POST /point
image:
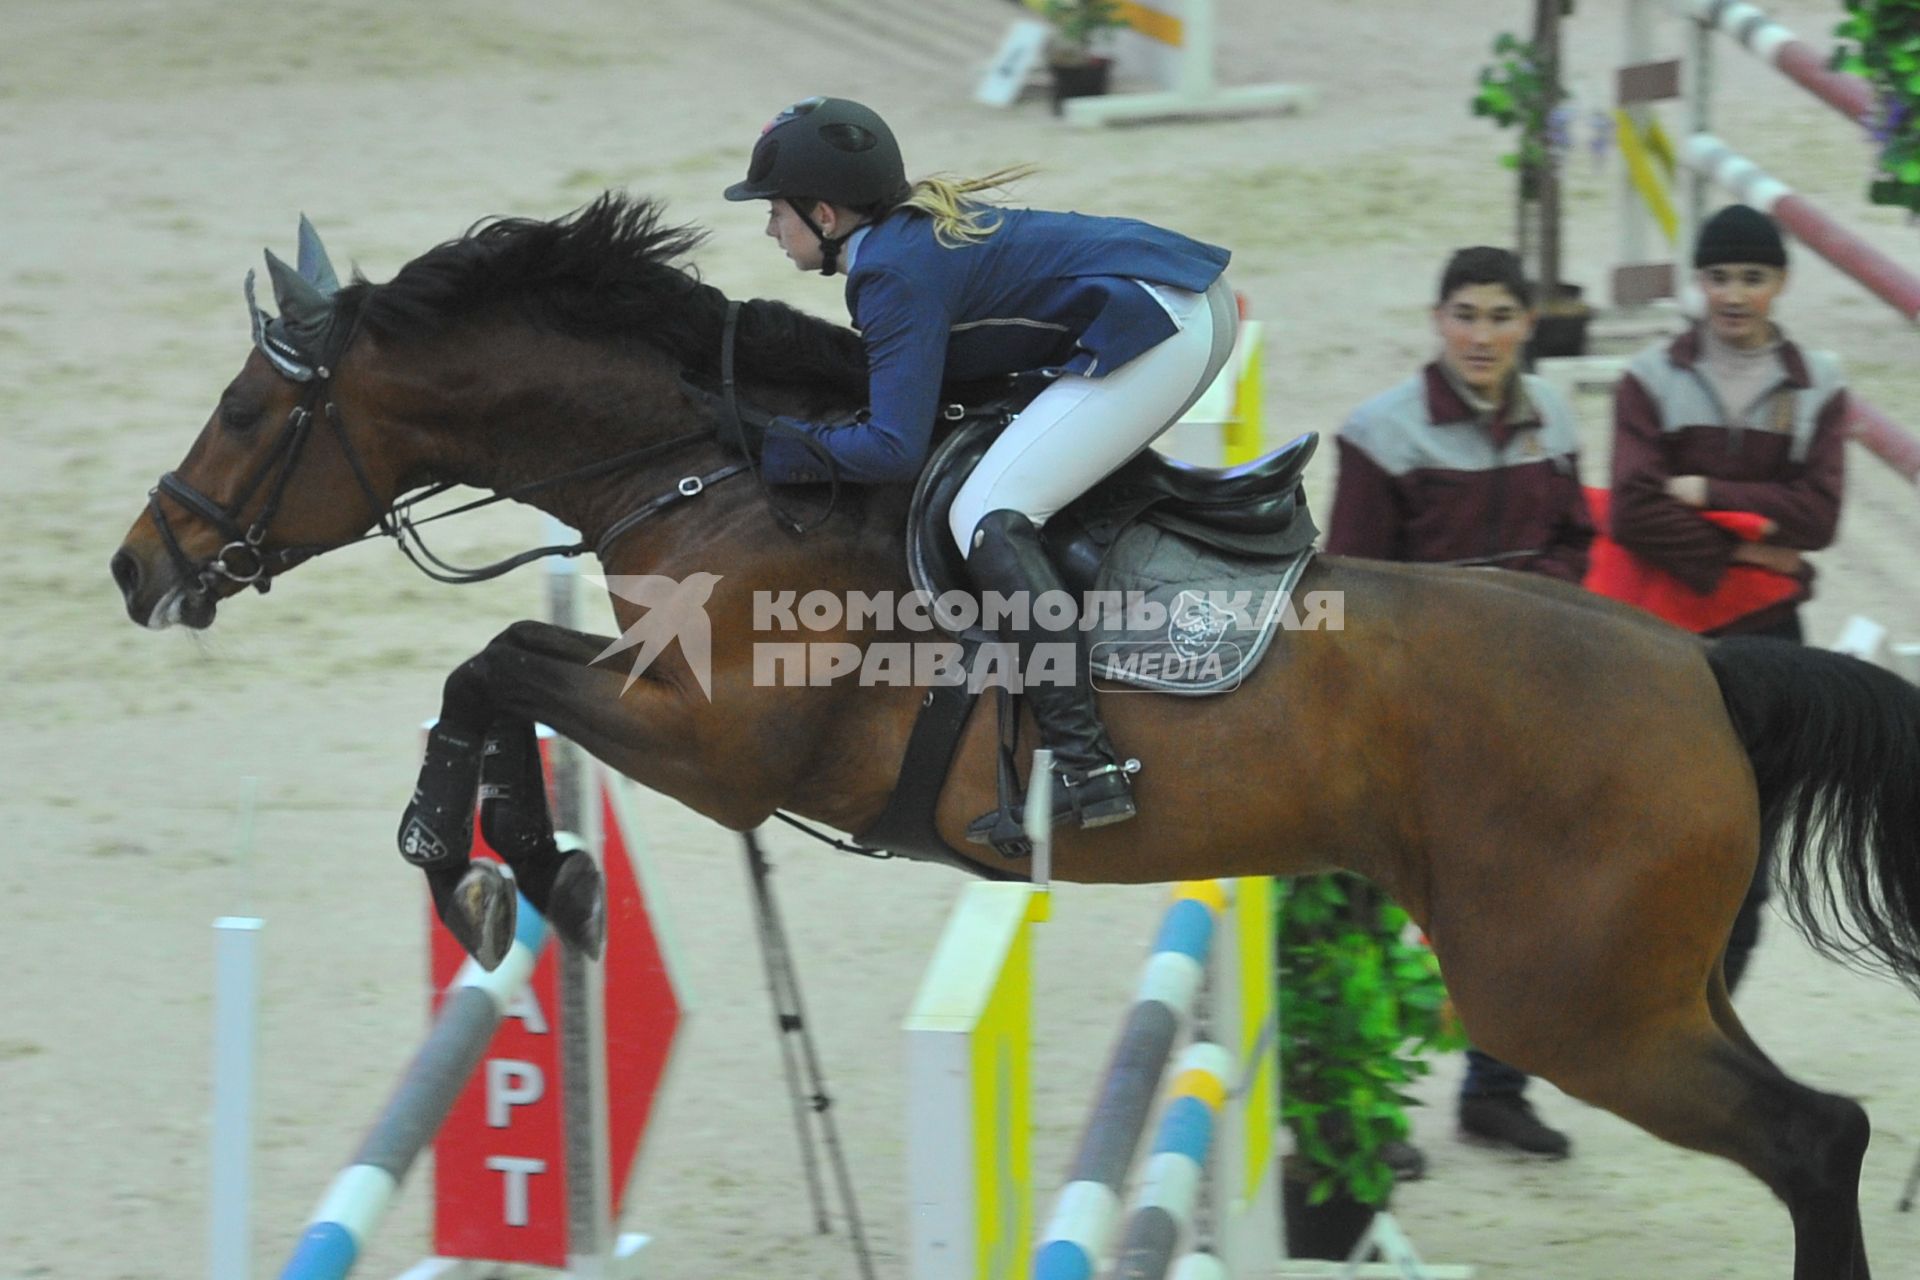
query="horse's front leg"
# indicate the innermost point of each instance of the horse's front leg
(484, 743)
(472, 899)
(515, 818)
(534, 671)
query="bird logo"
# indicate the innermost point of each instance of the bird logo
(675, 610)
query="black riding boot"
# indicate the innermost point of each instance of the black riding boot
(1089, 782)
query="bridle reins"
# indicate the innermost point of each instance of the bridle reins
(245, 560)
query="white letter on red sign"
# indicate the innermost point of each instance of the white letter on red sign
(518, 1169)
(511, 1084)
(526, 1007)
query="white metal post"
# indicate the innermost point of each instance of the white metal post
(236, 1003)
(1636, 222)
(583, 1065)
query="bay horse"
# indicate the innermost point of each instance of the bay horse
(1568, 797)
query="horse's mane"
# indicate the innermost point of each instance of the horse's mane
(609, 270)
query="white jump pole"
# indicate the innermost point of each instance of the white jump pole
(1179, 38)
(1039, 819)
(236, 1008)
(236, 1003)
(1906, 660)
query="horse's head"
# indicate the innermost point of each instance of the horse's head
(540, 360)
(275, 475)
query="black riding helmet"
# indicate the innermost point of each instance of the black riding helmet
(827, 149)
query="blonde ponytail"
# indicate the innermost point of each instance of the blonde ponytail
(958, 217)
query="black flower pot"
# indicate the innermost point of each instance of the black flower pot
(1561, 329)
(1087, 79)
(1329, 1230)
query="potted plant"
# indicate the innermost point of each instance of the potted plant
(1522, 90)
(1360, 1000)
(1078, 71)
(1886, 53)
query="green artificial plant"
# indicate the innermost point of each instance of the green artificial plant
(1523, 90)
(1520, 90)
(1360, 1001)
(1075, 25)
(1886, 52)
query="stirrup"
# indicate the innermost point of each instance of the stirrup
(1098, 797)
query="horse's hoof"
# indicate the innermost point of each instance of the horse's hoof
(577, 904)
(481, 914)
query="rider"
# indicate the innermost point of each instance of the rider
(1134, 321)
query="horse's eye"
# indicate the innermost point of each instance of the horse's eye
(239, 417)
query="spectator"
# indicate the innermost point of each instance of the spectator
(1728, 458)
(1471, 462)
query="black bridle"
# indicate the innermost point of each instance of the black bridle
(245, 560)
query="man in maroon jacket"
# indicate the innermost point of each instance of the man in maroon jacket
(1471, 462)
(1468, 462)
(1731, 416)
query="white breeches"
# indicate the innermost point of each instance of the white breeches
(1080, 430)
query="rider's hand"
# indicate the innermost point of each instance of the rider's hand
(1779, 559)
(1691, 490)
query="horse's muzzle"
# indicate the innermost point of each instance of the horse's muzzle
(153, 599)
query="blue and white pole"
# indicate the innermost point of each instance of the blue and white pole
(1088, 1206)
(1162, 1216)
(360, 1194)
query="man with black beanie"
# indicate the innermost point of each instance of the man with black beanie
(1728, 461)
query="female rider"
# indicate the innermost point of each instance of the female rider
(1134, 320)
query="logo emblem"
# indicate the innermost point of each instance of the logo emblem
(674, 611)
(1196, 626)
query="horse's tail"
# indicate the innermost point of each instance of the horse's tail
(1835, 745)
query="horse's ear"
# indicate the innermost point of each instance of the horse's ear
(315, 268)
(304, 310)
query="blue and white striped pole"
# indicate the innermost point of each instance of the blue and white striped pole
(360, 1194)
(1087, 1207)
(1162, 1214)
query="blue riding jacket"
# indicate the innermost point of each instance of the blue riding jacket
(1046, 290)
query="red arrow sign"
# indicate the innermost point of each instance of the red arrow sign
(642, 1000)
(500, 1170)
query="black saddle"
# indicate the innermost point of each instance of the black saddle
(1236, 509)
